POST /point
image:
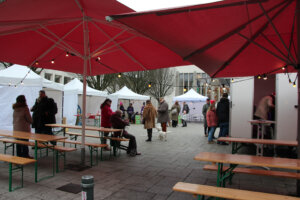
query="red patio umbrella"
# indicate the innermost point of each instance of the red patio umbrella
(231, 38)
(73, 36)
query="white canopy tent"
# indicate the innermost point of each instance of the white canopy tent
(16, 80)
(73, 99)
(195, 101)
(127, 94)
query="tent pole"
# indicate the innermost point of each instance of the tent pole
(298, 68)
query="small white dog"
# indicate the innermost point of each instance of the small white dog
(162, 135)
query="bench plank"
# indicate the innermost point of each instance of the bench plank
(227, 193)
(16, 160)
(86, 135)
(87, 143)
(11, 140)
(259, 141)
(116, 138)
(243, 170)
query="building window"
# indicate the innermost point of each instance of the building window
(48, 76)
(67, 79)
(57, 79)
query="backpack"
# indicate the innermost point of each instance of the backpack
(52, 105)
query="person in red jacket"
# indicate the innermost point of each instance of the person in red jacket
(106, 114)
(212, 121)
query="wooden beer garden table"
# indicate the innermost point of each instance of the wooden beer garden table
(234, 160)
(38, 138)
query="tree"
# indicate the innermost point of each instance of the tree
(101, 82)
(161, 82)
(136, 81)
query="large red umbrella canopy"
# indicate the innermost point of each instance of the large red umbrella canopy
(34, 33)
(226, 39)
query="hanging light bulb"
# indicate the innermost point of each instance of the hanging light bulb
(98, 58)
(265, 77)
(36, 63)
(232, 80)
(149, 85)
(294, 84)
(184, 89)
(67, 54)
(52, 61)
(283, 68)
(119, 75)
(259, 77)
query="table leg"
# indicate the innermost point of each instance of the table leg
(36, 163)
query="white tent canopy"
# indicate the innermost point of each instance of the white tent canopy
(77, 85)
(125, 93)
(191, 95)
(73, 99)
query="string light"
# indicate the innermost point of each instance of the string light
(149, 85)
(232, 80)
(36, 63)
(283, 68)
(265, 77)
(52, 61)
(259, 77)
(98, 58)
(184, 89)
(294, 84)
(67, 54)
(119, 75)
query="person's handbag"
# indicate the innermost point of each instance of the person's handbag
(174, 111)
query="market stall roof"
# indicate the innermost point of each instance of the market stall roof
(126, 93)
(190, 95)
(77, 85)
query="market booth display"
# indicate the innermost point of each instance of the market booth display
(195, 101)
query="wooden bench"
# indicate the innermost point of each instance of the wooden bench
(227, 193)
(60, 151)
(116, 143)
(79, 134)
(244, 170)
(19, 162)
(93, 147)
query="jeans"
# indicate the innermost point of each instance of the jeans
(224, 129)
(211, 133)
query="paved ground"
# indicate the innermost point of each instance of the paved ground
(149, 176)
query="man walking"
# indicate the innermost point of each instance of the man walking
(187, 110)
(204, 111)
(223, 116)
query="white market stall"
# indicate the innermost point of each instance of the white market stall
(16, 80)
(126, 94)
(73, 100)
(195, 101)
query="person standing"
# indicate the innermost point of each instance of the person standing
(44, 111)
(163, 115)
(21, 122)
(223, 117)
(204, 111)
(175, 110)
(265, 105)
(122, 109)
(187, 110)
(212, 121)
(106, 114)
(149, 115)
(130, 111)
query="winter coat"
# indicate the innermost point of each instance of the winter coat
(174, 117)
(149, 115)
(42, 113)
(223, 110)
(118, 123)
(106, 114)
(263, 107)
(211, 118)
(21, 117)
(130, 110)
(163, 115)
(186, 108)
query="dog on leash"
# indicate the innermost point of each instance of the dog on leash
(161, 134)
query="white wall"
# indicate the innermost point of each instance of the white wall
(286, 113)
(242, 94)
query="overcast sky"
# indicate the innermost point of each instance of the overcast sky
(144, 5)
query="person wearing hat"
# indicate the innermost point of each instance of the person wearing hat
(204, 111)
(223, 117)
(212, 121)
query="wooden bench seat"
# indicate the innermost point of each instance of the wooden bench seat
(15, 141)
(79, 134)
(244, 170)
(227, 193)
(19, 162)
(116, 139)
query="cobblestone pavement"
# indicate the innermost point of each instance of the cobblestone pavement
(148, 176)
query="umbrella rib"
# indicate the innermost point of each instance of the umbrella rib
(95, 53)
(291, 45)
(228, 34)
(276, 31)
(266, 38)
(38, 22)
(108, 67)
(67, 45)
(55, 44)
(248, 42)
(59, 45)
(121, 48)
